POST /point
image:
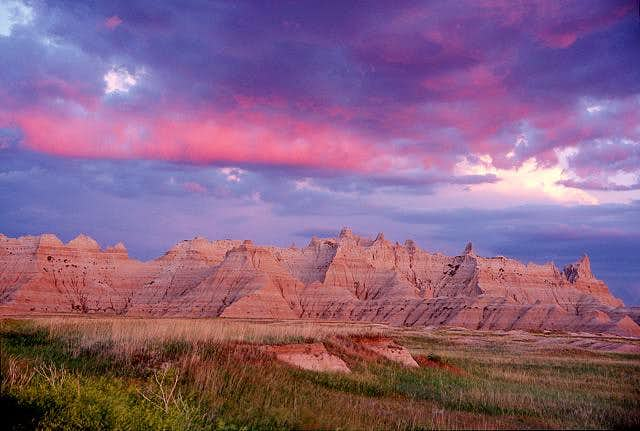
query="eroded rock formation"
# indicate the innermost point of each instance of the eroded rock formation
(346, 278)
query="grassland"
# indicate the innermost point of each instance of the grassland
(72, 373)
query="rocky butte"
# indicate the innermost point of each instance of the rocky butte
(348, 278)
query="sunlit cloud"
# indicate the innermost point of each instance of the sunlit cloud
(530, 181)
(232, 175)
(307, 184)
(120, 80)
(13, 12)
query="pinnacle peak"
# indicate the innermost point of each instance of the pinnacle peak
(346, 233)
(585, 264)
(469, 248)
(579, 270)
(380, 236)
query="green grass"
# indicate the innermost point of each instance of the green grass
(93, 402)
(66, 378)
(85, 390)
(342, 383)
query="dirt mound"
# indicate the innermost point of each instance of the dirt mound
(313, 356)
(316, 357)
(374, 348)
(388, 349)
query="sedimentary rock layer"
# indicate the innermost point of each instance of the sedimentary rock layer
(346, 278)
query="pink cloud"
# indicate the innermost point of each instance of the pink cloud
(205, 137)
(551, 22)
(486, 120)
(112, 22)
(475, 82)
(193, 187)
(558, 40)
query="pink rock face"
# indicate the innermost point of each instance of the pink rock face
(580, 276)
(347, 278)
(42, 275)
(177, 273)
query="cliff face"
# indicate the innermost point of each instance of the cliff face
(41, 274)
(343, 278)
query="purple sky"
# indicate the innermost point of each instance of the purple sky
(512, 124)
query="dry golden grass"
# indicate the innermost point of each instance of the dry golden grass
(133, 333)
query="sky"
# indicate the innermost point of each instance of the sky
(512, 124)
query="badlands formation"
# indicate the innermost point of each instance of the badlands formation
(348, 278)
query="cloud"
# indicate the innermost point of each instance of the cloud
(200, 138)
(118, 79)
(12, 13)
(193, 187)
(531, 181)
(372, 84)
(233, 175)
(596, 185)
(604, 165)
(112, 22)
(606, 155)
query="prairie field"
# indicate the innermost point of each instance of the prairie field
(214, 374)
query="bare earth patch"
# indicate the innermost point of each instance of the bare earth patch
(388, 349)
(311, 356)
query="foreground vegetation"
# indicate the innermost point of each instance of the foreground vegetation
(210, 374)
